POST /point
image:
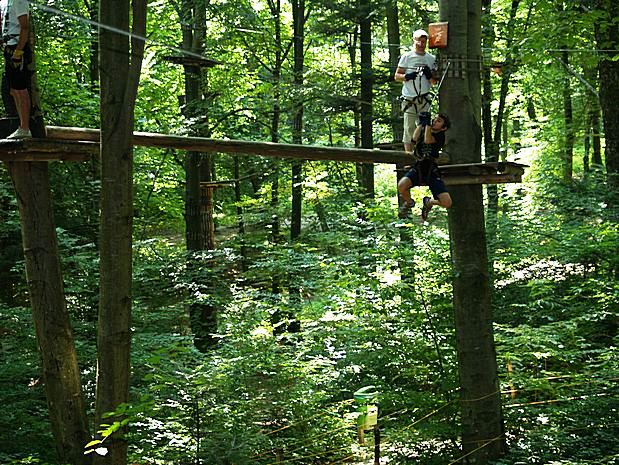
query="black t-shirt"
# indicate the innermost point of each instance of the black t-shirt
(431, 150)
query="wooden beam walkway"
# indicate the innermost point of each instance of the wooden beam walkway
(79, 144)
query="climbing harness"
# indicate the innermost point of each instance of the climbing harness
(422, 151)
(425, 99)
(420, 101)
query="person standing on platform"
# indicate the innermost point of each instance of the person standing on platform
(417, 70)
(15, 20)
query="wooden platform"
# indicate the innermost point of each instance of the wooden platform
(79, 144)
(46, 150)
(482, 173)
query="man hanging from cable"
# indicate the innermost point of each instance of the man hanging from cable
(417, 70)
(429, 138)
(15, 22)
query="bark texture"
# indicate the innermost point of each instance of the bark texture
(61, 374)
(482, 423)
(366, 171)
(607, 37)
(118, 57)
(298, 15)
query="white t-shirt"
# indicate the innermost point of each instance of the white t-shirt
(411, 61)
(15, 9)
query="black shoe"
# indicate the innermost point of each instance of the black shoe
(425, 209)
(405, 209)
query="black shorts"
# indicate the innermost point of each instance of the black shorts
(427, 174)
(17, 78)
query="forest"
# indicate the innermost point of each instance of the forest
(166, 306)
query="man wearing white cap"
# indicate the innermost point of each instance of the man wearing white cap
(417, 71)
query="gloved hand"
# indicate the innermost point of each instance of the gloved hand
(17, 59)
(411, 75)
(424, 118)
(427, 72)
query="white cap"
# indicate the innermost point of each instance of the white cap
(419, 32)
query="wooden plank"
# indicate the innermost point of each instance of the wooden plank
(268, 149)
(46, 150)
(483, 179)
(47, 145)
(305, 152)
(42, 156)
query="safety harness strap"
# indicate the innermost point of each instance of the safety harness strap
(422, 99)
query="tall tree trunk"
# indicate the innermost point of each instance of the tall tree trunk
(276, 8)
(482, 422)
(193, 223)
(298, 18)
(117, 58)
(393, 36)
(596, 157)
(199, 226)
(278, 319)
(298, 15)
(192, 19)
(406, 265)
(492, 137)
(61, 374)
(587, 152)
(297, 198)
(592, 122)
(352, 54)
(93, 66)
(607, 37)
(491, 145)
(366, 170)
(239, 212)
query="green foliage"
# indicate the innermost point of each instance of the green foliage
(372, 295)
(21, 388)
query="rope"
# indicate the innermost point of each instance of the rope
(328, 451)
(429, 415)
(482, 397)
(303, 442)
(342, 460)
(554, 401)
(480, 447)
(343, 402)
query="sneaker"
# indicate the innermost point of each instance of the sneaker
(20, 133)
(405, 209)
(425, 209)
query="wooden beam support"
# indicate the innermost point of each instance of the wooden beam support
(267, 149)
